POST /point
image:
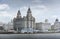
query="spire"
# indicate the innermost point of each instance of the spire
(18, 14)
(29, 10)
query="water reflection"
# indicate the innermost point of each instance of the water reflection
(30, 36)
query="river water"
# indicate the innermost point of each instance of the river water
(30, 36)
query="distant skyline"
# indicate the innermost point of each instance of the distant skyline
(41, 9)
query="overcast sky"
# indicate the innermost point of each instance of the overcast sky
(41, 9)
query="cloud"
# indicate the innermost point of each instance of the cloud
(38, 11)
(4, 10)
(4, 7)
(5, 17)
(36, 1)
(54, 16)
(42, 12)
(5, 14)
(41, 9)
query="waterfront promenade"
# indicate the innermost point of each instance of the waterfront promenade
(30, 36)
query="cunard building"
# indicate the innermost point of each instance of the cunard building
(26, 23)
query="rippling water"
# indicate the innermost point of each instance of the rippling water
(30, 36)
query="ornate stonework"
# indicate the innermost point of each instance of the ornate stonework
(27, 21)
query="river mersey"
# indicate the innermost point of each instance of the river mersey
(30, 36)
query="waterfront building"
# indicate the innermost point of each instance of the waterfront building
(8, 27)
(43, 26)
(1, 27)
(18, 22)
(24, 23)
(56, 26)
(39, 26)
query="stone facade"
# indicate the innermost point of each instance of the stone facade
(56, 26)
(43, 27)
(27, 21)
(17, 22)
(46, 27)
(39, 26)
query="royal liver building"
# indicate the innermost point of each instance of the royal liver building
(26, 22)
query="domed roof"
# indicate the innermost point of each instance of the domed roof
(56, 20)
(29, 10)
(46, 20)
